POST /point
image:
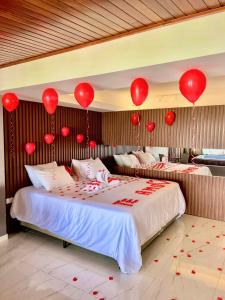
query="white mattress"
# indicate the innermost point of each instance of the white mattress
(92, 221)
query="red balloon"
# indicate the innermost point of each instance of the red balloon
(49, 138)
(50, 100)
(30, 148)
(150, 126)
(84, 94)
(192, 84)
(79, 138)
(65, 131)
(92, 144)
(139, 91)
(135, 119)
(10, 101)
(170, 118)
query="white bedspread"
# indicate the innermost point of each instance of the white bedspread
(114, 221)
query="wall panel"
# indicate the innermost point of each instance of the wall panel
(30, 123)
(207, 131)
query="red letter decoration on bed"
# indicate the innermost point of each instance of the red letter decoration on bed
(152, 187)
(126, 202)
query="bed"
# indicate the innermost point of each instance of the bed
(210, 159)
(179, 168)
(115, 220)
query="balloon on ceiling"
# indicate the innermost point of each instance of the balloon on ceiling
(139, 91)
(30, 148)
(170, 118)
(84, 94)
(150, 126)
(50, 100)
(49, 138)
(135, 119)
(192, 84)
(79, 138)
(10, 101)
(65, 131)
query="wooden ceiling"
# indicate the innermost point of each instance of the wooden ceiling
(31, 29)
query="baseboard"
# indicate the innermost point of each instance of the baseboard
(4, 238)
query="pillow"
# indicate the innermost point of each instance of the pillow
(53, 178)
(157, 151)
(98, 165)
(145, 158)
(33, 178)
(134, 161)
(118, 160)
(80, 168)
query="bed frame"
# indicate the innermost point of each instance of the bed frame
(66, 242)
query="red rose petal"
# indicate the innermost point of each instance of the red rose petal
(189, 255)
(156, 260)
(193, 272)
(186, 235)
(102, 299)
(193, 241)
(219, 298)
(220, 269)
(168, 239)
(217, 236)
(213, 226)
(223, 248)
(178, 273)
(193, 226)
(207, 242)
(75, 279)
(95, 292)
(182, 250)
(175, 256)
(110, 278)
(200, 250)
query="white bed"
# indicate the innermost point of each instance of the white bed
(179, 168)
(96, 221)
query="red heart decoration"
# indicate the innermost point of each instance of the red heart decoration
(65, 131)
(150, 126)
(92, 144)
(49, 138)
(30, 148)
(79, 138)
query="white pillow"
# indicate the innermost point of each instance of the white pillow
(134, 161)
(80, 168)
(92, 167)
(33, 178)
(118, 160)
(156, 151)
(145, 158)
(98, 165)
(54, 178)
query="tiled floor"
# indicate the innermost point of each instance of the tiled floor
(187, 262)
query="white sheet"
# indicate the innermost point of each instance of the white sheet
(179, 168)
(98, 221)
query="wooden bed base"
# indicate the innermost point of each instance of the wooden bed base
(66, 242)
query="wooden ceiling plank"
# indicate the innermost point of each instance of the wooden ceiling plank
(7, 37)
(171, 7)
(67, 18)
(158, 9)
(199, 5)
(185, 6)
(26, 25)
(131, 11)
(145, 10)
(15, 16)
(37, 17)
(111, 12)
(10, 46)
(92, 24)
(15, 28)
(212, 3)
(95, 16)
(17, 36)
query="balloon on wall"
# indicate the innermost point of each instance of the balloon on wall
(10, 101)
(84, 94)
(192, 84)
(30, 148)
(92, 144)
(49, 138)
(50, 100)
(79, 138)
(135, 119)
(139, 91)
(170, 118)
(150, 126)
(65, 131)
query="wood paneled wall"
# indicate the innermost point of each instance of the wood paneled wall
(207, 131)
(30, 123)
(204, 195)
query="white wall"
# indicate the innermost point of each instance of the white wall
(2, 178)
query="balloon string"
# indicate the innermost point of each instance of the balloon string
(87, 134)
(138, 144)
(12, 136)
(53, 132)
(193, 117)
